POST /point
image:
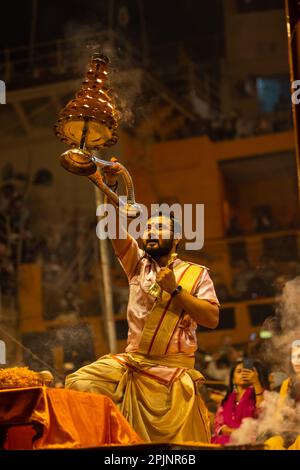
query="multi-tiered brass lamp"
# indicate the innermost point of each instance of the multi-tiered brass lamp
(89, 123)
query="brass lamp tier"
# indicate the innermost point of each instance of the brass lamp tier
(90, 120)
(88, 123)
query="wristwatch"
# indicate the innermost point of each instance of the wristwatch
(176, 291)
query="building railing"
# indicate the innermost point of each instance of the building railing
(51, 61)
(262, 262)
(60, 57)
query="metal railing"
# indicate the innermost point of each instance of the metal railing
(71, 276)
(60, 57)
(51, 61)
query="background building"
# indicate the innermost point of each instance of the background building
(206, 118)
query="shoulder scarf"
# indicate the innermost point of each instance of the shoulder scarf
(164, 317)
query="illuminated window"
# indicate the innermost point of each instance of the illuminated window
(273, 93)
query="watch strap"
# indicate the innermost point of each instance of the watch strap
(176, 291)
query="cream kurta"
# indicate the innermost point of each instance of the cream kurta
(141, 271)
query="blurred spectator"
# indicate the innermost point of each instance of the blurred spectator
(263, 284)
(234, 227)
(264, 126)
(244, 127)
(242, 277)
(292, 269)
(226, 347)
(229, 130)
(245, 394)
(7, 272)
(221, 288)
(262, 219)
(219, 368)
(276, 379)
(201, 359)
(70, 303)
(223, 293)
(279, 284)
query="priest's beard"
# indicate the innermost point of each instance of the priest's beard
(162, 248)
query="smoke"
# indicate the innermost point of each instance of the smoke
(278, 350)
(246, 433)
(290, 308)
(277, 416)
(125, 80)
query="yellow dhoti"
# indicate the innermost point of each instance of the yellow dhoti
(159, 412)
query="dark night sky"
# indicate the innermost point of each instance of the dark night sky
(166, 20)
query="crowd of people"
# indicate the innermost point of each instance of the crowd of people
(234, 126)
(255, 282)
(55, 248)
(17, 242)
(260, 220)
(239, 126)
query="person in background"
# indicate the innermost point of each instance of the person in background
(219, 368)
(243, 398)
(276, 379)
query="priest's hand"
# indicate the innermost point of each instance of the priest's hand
(111, 173)
(166, 280)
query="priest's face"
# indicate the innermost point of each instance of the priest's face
(158, 238)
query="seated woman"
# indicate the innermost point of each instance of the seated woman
(245, 394)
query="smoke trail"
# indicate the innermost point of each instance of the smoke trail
(275, 416)
(124, 78)
(278, 349)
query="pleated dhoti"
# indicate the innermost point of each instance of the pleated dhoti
(158, 410)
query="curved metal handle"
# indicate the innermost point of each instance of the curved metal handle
(81, 162)
(131, 209)
(124, 173)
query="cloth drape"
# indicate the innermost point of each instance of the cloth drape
(66, 419)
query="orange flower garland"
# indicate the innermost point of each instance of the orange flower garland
(19, 377)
